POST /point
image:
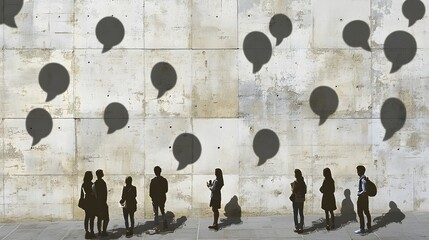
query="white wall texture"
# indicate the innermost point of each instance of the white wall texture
(217, 98)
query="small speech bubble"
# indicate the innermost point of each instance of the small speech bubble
(115, 117)
(266, 144)
(257, 49)
(400, 48)
(356, 34)
(323, 102)
(39, 124)
(109, 32)
(54, 79)
(393, 115)
(280, 27)
(413, 10)
(186, 149)
(8, 10)
(163, 77)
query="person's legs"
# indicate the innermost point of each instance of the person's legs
(360, 214)
(215, 216)
(155, 214)
(91, 224)
(327, 219)
(125, 212)
(295, 214)
(99, 225)
(332, 219)
(366, 211)
(162, 209)
(301, 215)
(132, 220)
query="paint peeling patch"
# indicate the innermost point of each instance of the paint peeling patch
(12, 152)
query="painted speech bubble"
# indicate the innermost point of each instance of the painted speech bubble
(323, 102)
(280, 27)
(8, 10)
(39, 124)
(163, 77)
(393, 115)
(257, 49)
(186, 149)
(115, 117)
(356, 34)
(400, 48)
(54, 79)
(413, 10)
(266, 144)
(109, 32)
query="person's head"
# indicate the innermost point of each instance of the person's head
(128, 180)
(298, 175)
(157, 171)
(360, 170)
(87, 177)
(327, 173)
(347, 193)
(219, 175)
(99, 173)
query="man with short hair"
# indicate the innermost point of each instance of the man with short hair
(362, 202)
(102, 209)
(157, 191)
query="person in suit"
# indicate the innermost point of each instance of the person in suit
(215, 199)
(328, 198)
(129, 203)
(100, 189)
(299, 189)
(157, 190)
(90, 204)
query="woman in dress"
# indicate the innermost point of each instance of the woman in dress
(90, 205)
(328, 198)
(299, 189)
(129, 203)
(215, 200)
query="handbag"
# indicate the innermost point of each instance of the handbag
(292, 197)
(82, 201)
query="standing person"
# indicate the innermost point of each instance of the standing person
(89, 198)
(215, 200)
(158, 189)
(100, 189)
(362, 202)
(299, 189)
(129, 203)
(328, 198)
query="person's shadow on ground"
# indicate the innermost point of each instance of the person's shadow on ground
(394, 215)
(232, 213)
(347, 216)
(148, 226)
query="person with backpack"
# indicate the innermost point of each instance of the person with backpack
(328, 198)
(158, 189)
(362, 202)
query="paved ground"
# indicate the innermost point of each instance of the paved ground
(412, 225)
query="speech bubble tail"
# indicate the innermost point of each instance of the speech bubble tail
(394, 68)
(261, 161)
(111, 130)
(279, 41)
(256, 68)
(181, 166)
(322, 120)
(10, 22)
(105, 49)
(35, 141)
(388, 135)
(366, 47)
(160, 93)
(50, 97)
(411, 22)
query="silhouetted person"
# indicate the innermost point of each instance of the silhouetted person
(299, 189)
(158, 189)
(100, 189)
(328, 198)
(393, 215)
(129, 203)
(90, 206)
(347, 208)
(362, 202)
(215, 200)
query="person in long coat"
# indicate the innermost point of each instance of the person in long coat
(328, 198)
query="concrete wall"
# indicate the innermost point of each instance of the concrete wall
(217, 98)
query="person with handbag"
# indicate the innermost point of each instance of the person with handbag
(87, 203)
(129, 204)
(299, 189)
(328, 198)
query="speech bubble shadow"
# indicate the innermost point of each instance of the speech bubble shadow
(54, 79)
(356, 34)
(163, 77)
(266, 144)
(186, 149)
(8, 10)
(400, 48)
(110, 32)
(413, 10)
(323, 102)
(393, 115)
(39, 124)
(257, 49)
(280, 27)
(115, 117)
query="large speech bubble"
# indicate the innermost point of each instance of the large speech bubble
(400, 48)
(257, 49)
(280, 27)
(163, 77)
(109, 32)
(356, 34)
(39, 124)
(8, 10)
(186, 149)
(54, 79)
(266, 144)
(393, 115)
(115, 117)
(323, 102)
(413, 10)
